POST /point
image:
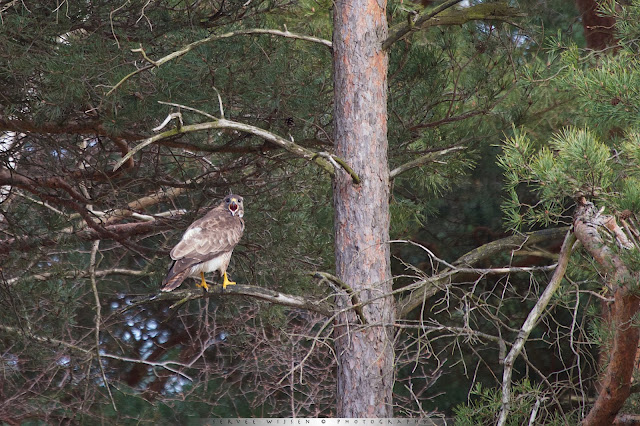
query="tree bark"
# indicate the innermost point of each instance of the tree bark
(599, 31)
(365, 352)
(615, 384)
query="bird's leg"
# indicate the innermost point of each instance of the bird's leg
(226, 282)
(203, 283)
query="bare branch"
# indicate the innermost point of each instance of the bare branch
(79, 274)
(90, 353)
(428, 287)
(98, 319)
(615, 384)
(531, 321)
(355, 300)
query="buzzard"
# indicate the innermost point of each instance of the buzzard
(207, 245)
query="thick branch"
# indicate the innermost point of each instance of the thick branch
(117, 232)
(530, 322)
(79, 127)
(77, 274)
(189, 47)
(443, 14)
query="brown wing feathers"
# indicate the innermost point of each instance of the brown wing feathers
(174, 279)
(213, 235)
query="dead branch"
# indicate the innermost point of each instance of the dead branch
(531, 321)
(431, 285)
(222, 123)
(421, 161)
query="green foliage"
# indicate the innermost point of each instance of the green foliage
(486, 403)
(574, 164)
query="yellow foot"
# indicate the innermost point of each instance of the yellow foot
(203, 283)
(226, 282)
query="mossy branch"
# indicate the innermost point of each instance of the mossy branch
(223, 123)
(421, 161)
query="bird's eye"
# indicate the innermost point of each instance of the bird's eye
(226, 200)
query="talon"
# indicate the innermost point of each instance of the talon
(226, 282)
(203, 283)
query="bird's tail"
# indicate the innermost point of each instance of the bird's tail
(173, 279)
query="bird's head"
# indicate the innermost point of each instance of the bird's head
(234, 205)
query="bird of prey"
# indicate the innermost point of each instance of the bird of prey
(207, 245)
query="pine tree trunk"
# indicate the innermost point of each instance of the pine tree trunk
(365, 354)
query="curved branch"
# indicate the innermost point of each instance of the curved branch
(616, 382)
(223, 123)
(186, 49)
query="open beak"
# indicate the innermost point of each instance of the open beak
(233, 207)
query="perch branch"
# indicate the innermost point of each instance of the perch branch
(235, 290)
